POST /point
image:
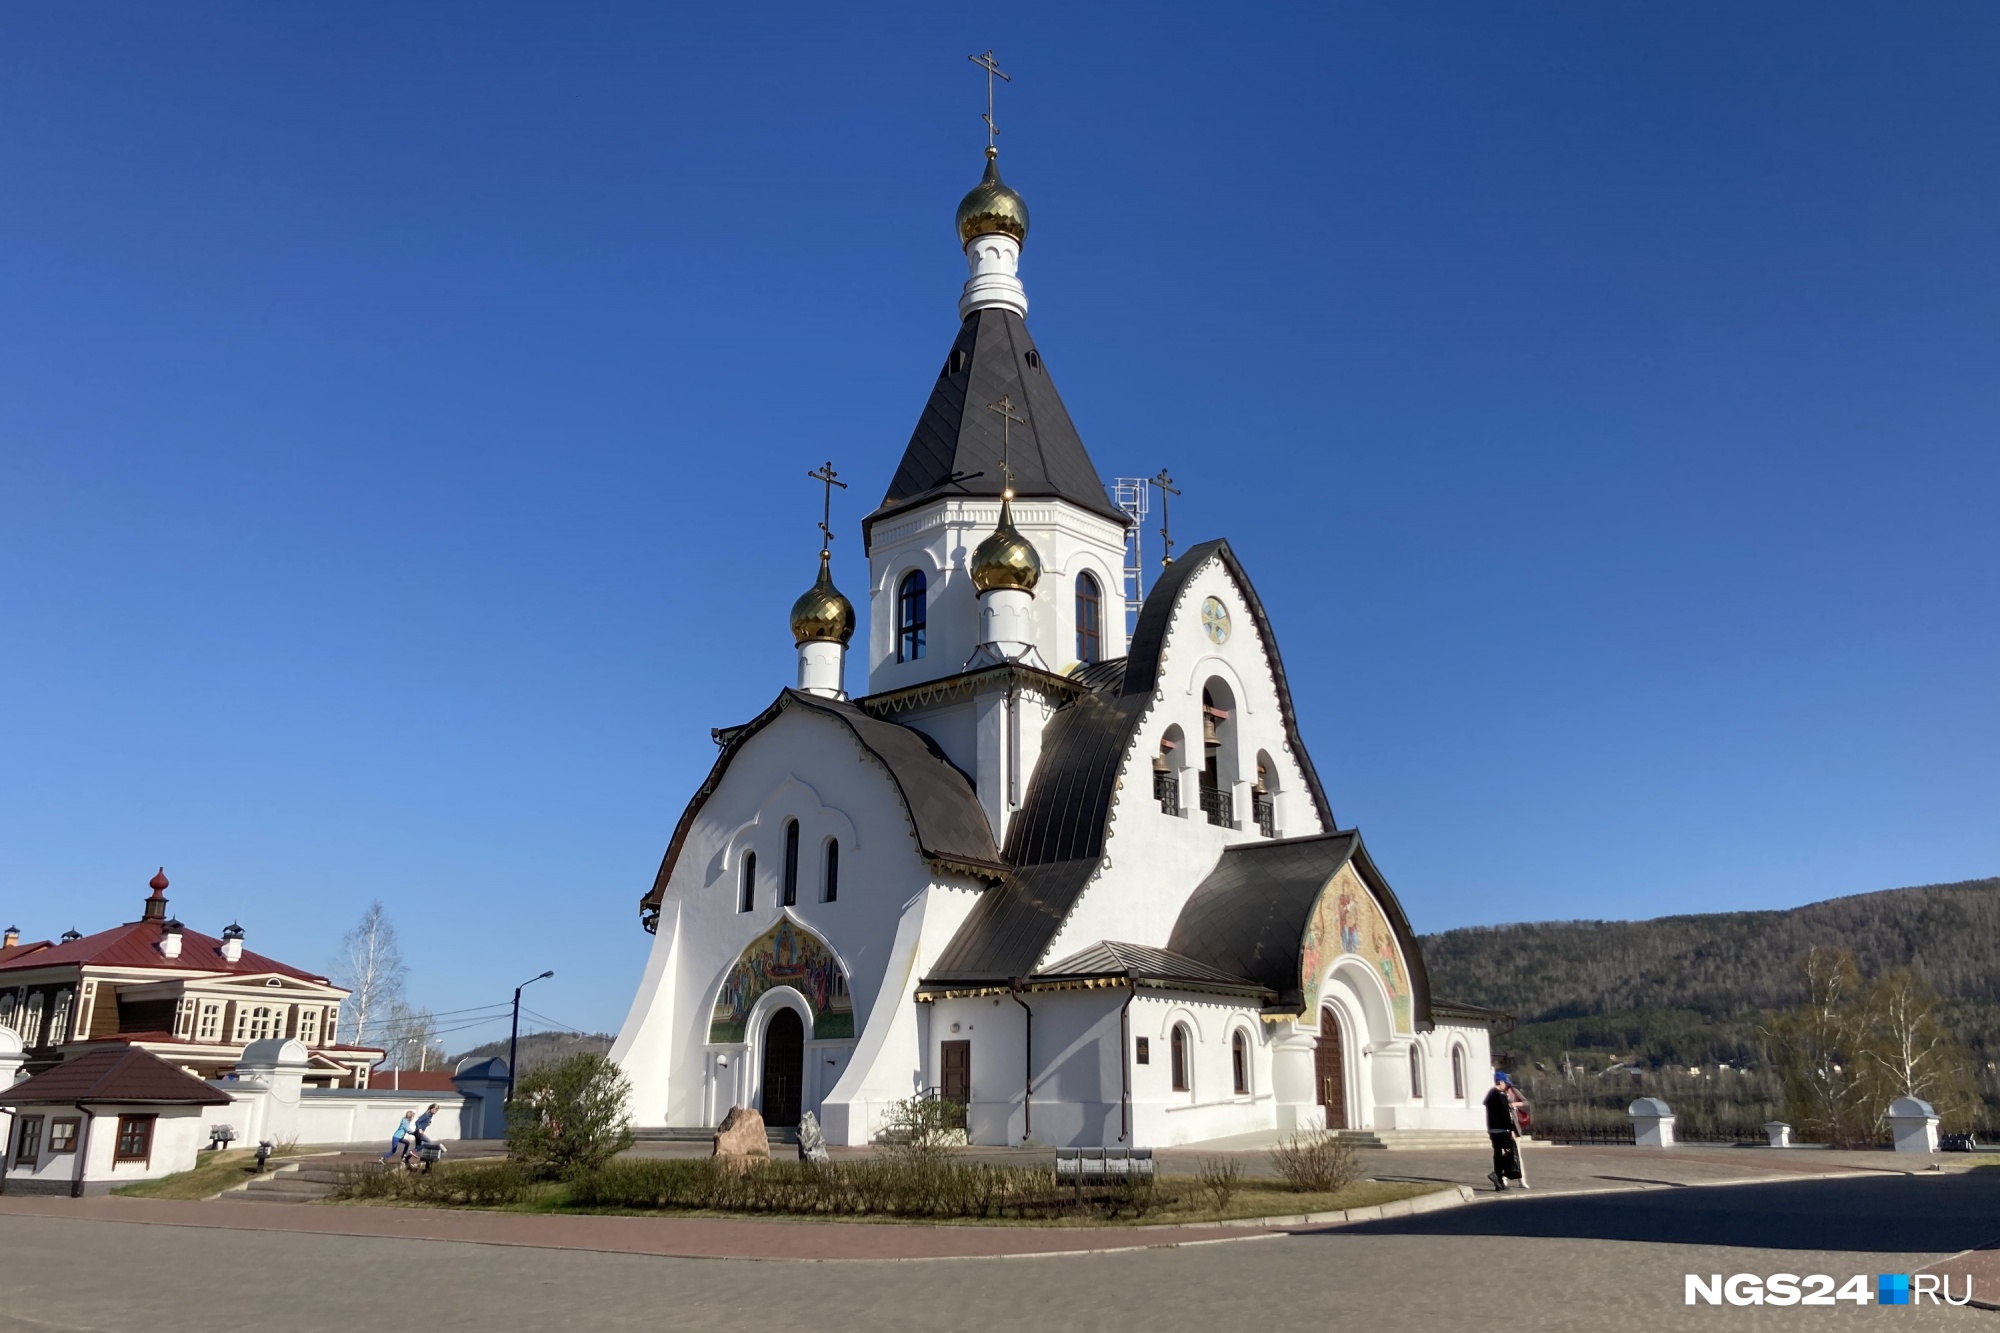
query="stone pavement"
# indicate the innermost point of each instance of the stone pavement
(1559, 1263)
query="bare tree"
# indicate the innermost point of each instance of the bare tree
(410, 1036)
(1909, 1052)
(1818, 1049)
(371, 966)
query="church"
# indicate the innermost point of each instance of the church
(1066, 866)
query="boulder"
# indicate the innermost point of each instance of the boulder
(741, 1141)
(812, 1143)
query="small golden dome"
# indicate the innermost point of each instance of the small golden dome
(822, 615)
(1006, 560)
(991, 207)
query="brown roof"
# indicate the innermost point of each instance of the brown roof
(411, 1080)
(13, 951)
(136, 944)
(122, 1074)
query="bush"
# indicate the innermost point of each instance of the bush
(568, 1118)
(483, 1186)
(1316, 1162)
(1220, 1177)
(923, 1124)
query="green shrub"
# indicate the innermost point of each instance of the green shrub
(480, 1186)
(568, 1117)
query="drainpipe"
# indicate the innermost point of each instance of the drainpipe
(82, 1151)
(1028, 1070)
(1125, 1060)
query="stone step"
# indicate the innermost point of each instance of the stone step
(288, 1185)
(269, 1196)
(704, 1134)
(1414, 1139)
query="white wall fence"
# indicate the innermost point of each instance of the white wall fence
(270, 1104)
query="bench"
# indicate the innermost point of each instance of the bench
(1098, 1166)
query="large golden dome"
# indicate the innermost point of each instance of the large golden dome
(991, 206)
(1005, 559)
(822, 615)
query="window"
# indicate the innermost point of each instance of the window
(28, 1141)
(209, 1028)
(1416, 1071)
(749, 882)
(262, 1022)
(309, 1026)
(135, 1138)
(62, 1134)
(59, 1020)
(31, 1022)
(1239, 1063)
(831, 890)
(1458, 1072)
(1089, 635)
(1178, 1050)
(6, 1010)
(910, 616)
(791, 863)
(1145, 1053)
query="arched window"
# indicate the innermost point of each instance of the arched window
(31, 1022)
(1218, 766)
(911, 615)
(1089, 625)
(6, 1010)
(1458, 1073)
(59, 1021)
(1239, 1062)
(791, 898)
(262, 1023)
(1264, 796)
(1416, 1071)
(830, 891)
(1177, 1047)
(749, 882)
(1167, 772)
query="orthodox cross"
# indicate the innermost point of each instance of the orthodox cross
(1166, 485)
(992, 68)
(830, 479)
(1005, 409)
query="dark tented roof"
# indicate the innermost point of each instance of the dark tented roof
(1056, 842)
(1249, 916)
(957, 437)
(943, 807)
(1144, 964)
(122, 1074)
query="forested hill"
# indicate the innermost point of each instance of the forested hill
(1723, 964)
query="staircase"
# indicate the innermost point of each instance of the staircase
(300, 1182)
(778, 1136)
(1410, 1139)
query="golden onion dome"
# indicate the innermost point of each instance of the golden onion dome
(1006, 559)
(822, 615)
(991, 206)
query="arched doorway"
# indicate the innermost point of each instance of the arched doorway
(1330, 1071)
(784, 1067)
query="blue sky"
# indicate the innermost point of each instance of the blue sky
(404, 412)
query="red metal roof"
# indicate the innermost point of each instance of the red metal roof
(136, 944)
(118, 1074)
(13, 951)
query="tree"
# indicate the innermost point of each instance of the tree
(1907, 1051)
(371, 967)
(410, 1038)
(568, 1118)
(1818, 1047)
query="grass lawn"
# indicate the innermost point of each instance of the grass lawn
(213, 1173)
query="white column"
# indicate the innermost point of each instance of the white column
(1294, 1080)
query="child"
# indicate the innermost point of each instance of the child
(404, 1128)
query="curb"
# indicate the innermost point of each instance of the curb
(1451, 1196)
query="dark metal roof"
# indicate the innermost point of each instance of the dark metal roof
(943, 807)
(123, 1074)
(957, 437)
(1056, 842)
(1145, 965)
(1249, 916)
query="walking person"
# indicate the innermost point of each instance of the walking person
(404, 1128)
(1502, 1129)
(1517, 1101)
(413, 1147)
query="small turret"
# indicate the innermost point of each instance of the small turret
(156, 906)
(232, 942)
(822, 626)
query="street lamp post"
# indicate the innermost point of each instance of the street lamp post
(514, 1036)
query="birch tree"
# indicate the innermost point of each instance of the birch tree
(372, 968)
(1909, 1052)
(1818, 1049)
(410, 1035)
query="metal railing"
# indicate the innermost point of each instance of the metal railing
(1167, 791)
(1266, 811)
(1216, 804)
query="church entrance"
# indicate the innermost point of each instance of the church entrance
(784, 1067)
(1331, 1070)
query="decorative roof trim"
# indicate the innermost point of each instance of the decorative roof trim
(965, 684)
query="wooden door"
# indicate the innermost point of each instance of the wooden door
(784, 1068)
(1331, 1070)
(955, 1076)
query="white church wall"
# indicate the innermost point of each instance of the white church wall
(801, 766)
(955, 728)
(1154, 860)
(939, 539)
(1209, 1107)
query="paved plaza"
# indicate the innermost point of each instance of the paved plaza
(1606, 1244)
